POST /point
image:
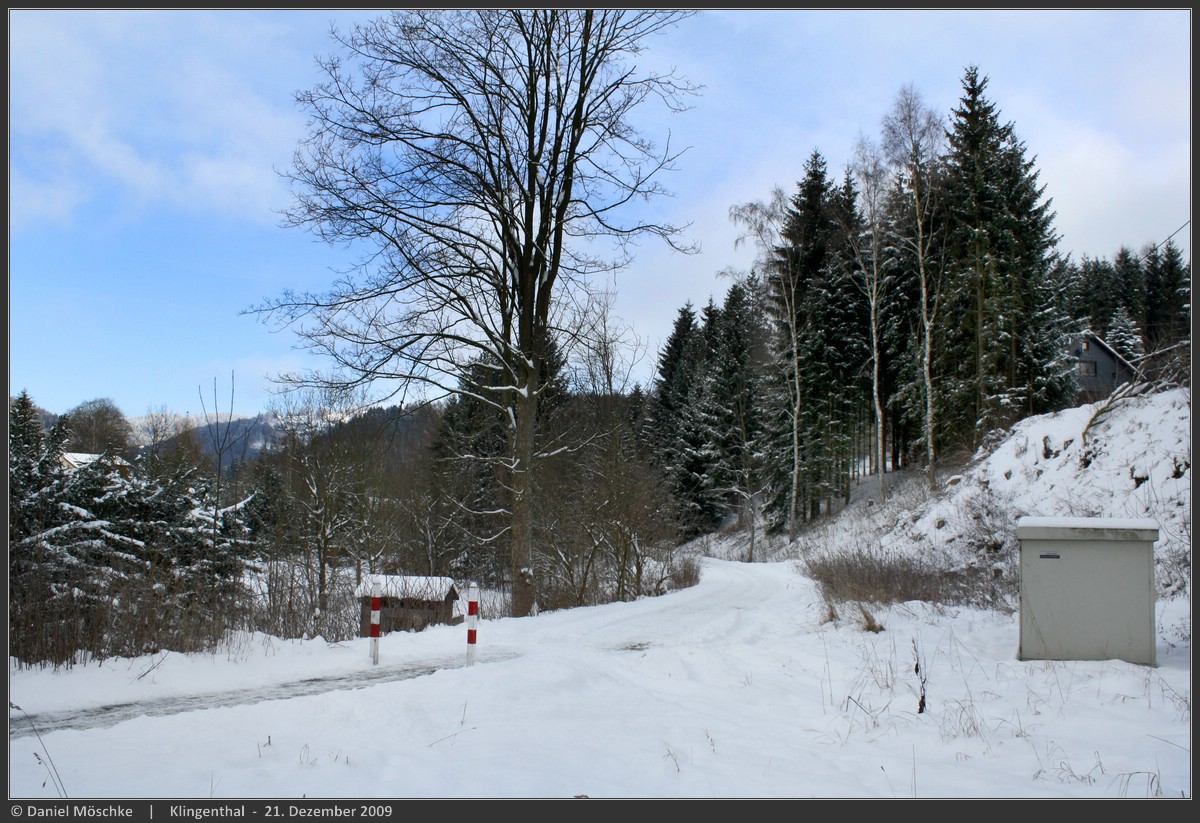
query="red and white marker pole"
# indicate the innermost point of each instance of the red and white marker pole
(375, 601)
(472, 621)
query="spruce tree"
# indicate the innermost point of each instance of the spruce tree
(106, 561)
(26, 441)
(1168, 297)
(1095, 293)
(1124, 336)
(672, 382)
(1131, 284)
(975, 299)
(678, 422)
(731, 412)
(1003, 355)
(798, 384)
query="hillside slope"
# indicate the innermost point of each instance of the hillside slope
(1127, 459)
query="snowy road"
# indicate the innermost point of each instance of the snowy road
(702, 617)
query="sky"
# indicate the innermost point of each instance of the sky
(145, 149)
(742, 686)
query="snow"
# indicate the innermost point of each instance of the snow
(78, 460)
(741, 686)
(404, 585)
(1083, 523)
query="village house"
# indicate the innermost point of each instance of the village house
(77, 460)
(1099, 368)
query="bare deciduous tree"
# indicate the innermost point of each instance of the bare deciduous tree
(156, 430)
(98, 426)
(482, 158)
(871, 174)
(325, 473)
(763, 223)
(913, 143)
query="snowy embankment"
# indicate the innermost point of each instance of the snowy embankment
(1130, 458)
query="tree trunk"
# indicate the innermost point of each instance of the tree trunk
(524, 594)
(877, 397)
(927, 370)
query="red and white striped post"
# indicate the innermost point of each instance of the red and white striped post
(375, 601)
(472, 620)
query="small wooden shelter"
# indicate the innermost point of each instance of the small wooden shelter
(408, 602)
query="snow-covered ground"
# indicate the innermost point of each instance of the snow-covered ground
(738, 687)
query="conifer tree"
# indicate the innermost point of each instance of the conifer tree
(1131, 284)
(270, 515)
(1124, 336)
(848, 316)
(795, 285)
(817, 388)
(107, 561)
(672, 381)
(1095, 293)
(1168, 297)
(731, 410)
(676, 427)
(26, 441)
(1003, 357)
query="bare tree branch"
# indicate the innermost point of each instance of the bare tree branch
(483, 160)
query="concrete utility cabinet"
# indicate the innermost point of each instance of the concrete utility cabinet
(1087, 589)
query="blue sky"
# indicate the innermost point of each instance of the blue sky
(144, 147)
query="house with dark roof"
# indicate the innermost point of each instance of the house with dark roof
(1099, 368)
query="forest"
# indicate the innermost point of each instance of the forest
(902, 313)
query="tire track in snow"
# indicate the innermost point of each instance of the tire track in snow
(21, 724)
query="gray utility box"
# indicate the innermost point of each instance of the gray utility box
(1087, 589)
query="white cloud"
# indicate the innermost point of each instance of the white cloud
(164, 109)
(48, 199)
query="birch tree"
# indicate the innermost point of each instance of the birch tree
(913, 143)
(762, 223)
(871, 174)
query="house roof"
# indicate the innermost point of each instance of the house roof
(408, 586)
(75, 460)
(1115, 354)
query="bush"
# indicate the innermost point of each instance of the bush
(686, 573)
(284, 602)
(865, 575)
(52, 627)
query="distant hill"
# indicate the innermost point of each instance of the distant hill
(245, 438)
(241, 439)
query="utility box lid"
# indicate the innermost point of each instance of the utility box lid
(1135, 529)
(1087, 588)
